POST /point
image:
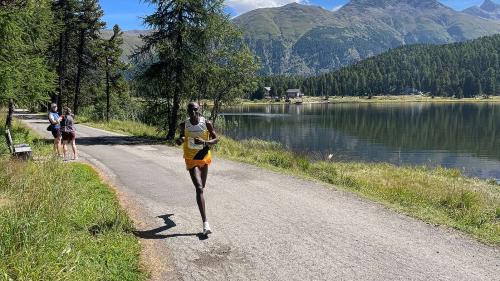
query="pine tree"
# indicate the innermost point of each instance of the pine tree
(178, 40)
(227, 67)
(89, 26)
(490, 82)
(469, 85)
(25, 30)
(113, 66)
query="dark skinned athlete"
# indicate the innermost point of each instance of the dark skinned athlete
(197, 135)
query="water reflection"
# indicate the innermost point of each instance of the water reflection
(464, 136)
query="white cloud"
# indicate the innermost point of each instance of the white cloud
(337, 8)
(243, 6)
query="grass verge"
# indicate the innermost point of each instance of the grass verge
(59, 221)
(125, 127)
(435, 195)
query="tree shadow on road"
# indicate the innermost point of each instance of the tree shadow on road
(118, 140)
(154, 233)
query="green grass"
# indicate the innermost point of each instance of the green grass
(59, 221)
(435, 195)
(125, 127)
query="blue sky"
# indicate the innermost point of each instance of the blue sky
(127, 13)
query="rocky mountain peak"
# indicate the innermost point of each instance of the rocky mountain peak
(489, 6)
(385, 3)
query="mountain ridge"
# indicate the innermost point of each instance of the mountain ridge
(309, 40)
(488, 10)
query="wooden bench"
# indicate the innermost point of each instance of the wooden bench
(21, 151)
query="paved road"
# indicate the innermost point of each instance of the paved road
(269, 226)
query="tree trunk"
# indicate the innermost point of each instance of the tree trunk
(60, 70)
(107, 90)
(76, 101)
(8, 121)
(179, 83)
(215, 111)
(63, 51)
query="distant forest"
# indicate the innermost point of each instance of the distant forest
(455, 70)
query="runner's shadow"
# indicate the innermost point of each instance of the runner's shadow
(154, 233)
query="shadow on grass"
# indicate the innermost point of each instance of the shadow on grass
(154, 233)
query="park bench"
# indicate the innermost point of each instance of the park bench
(21, 151)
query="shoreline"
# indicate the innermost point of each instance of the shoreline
(374, 100)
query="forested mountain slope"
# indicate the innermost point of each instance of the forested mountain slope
(461, 69)
(302, 39)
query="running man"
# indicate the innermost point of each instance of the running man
(197, 134)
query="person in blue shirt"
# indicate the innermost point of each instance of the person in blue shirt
(55, 124)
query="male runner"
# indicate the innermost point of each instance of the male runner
(196, 135)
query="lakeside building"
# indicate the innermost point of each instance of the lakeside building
(293, 93)
(267, 93)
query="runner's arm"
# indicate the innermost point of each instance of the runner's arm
(213, 135)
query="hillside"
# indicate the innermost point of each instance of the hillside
(488, 10)
(463, 69)
(301, 39)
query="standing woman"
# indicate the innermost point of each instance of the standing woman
(197, 134)
(68, 133)
(55, 128)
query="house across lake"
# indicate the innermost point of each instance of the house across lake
(293, 93)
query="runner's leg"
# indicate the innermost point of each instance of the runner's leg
(204, 174)
(195, 174)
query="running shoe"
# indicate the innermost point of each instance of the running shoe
(206, 228)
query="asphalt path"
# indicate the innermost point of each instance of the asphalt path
(269, 226)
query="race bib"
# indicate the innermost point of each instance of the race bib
(192, 145)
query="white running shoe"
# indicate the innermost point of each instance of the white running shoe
(206, 228)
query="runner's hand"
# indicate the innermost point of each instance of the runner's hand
(199, 141)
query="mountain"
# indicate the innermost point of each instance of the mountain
(307, 40)
(463, 69)
(488, 10)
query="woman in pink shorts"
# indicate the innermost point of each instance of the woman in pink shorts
(68, 133)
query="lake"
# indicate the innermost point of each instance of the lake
(465, 136)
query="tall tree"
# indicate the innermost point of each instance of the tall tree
(114, 67)
(490, 82)
(89, 26)
(228, 68)
(64, 11)
(176, 43)
(25, 30)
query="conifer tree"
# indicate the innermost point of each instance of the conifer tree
(89, 26)
(25, 30)
(176, 46)
(114, 67)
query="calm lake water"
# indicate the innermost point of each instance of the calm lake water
(464, 136)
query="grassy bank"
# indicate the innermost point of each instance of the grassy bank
(435, 195)
(59, 221)
(124, 127)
